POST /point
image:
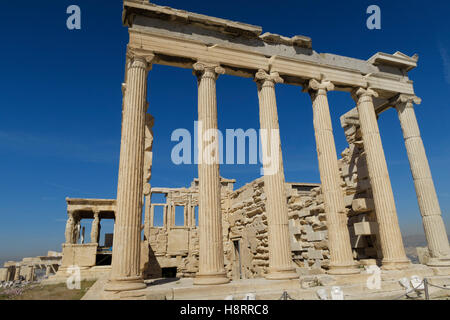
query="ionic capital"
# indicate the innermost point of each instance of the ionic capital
(407, 99)
(140, 58)
(362, 94)
(207, 70)
(320, 87)
(268, 79)
(96, 213)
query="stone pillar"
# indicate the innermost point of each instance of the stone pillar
(211, 254)
(152, 216)
(48, 270)
(30, 274)
(280, 255)
(125, 268)
(394, 256)
(17, 273)
(165, 216)
(341, 256)
(148, 160)
(95, 228)
(70, 228)
(430, 210)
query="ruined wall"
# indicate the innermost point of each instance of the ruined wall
(244, 222)
(172, 246)
(358, 197)
(247, 229)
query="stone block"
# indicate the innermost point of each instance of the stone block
(365, 228)
(363, 205)
(82, 255)
(316, 236)
(315, 254)
(178, 242)
(296, 246)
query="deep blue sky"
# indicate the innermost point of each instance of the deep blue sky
(61, 101)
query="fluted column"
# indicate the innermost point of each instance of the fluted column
(70, 228)
(95, 227)
(211, 254)
(280, 255)
(125, 269)
(430, 210)
(341, 256)
(148, 161)
(394, 256)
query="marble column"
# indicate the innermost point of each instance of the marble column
(70, 228)
(394, 256)
(148, 161)
(430, 210)
(341, 256)
(211, 254)
(125, 268)
(95, 228)
(280, 255)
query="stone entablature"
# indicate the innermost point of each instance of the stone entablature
(181, 38)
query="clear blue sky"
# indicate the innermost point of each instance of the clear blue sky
(61, 101)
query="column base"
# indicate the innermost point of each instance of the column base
(343, 269)
(398, 264)
(281, 274)
(125, 284)
(211, 278)
(439, 262)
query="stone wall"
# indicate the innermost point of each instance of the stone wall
(358, 197)
(247, 229)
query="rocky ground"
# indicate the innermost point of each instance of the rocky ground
(36, 291)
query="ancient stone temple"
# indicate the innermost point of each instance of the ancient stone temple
(269, 228)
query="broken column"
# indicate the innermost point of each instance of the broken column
(211, 254)
(280, 260)
(394, 256)
(125, 267)
(341, 256)
(430, 210)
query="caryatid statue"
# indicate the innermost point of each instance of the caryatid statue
(77, 230)
(70, 228)
(148, 159)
